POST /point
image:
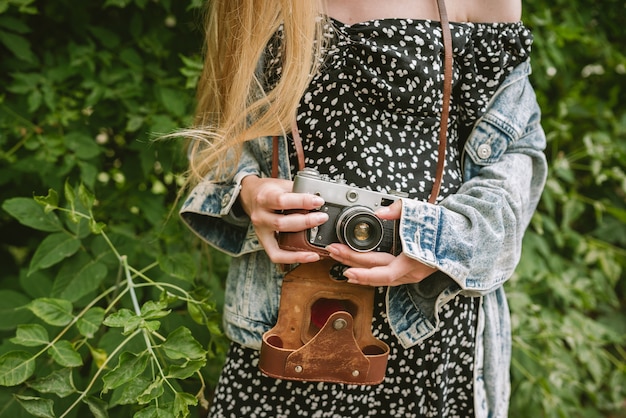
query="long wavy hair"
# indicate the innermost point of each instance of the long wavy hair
(232, 105)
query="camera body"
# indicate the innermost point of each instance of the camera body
(351, 217)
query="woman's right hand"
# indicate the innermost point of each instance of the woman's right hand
(264, 200)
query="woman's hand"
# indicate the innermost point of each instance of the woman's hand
(380, 269)
(263, 199)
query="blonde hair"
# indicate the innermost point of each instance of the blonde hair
(232, 106)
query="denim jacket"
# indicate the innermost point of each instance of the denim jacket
(473, 236)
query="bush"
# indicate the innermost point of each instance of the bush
(111, 307)
(107, 303)
(568, 296)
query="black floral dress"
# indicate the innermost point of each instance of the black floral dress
(372, 115)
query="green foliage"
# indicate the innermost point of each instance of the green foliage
(568, 296)
(110, 308)
(84, 336)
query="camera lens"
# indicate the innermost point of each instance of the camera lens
(359, 228)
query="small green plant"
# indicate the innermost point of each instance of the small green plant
(98, 352)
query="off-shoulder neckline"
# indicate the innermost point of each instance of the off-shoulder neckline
(431, 22)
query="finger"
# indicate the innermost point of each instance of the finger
(393, 211)
(401, 270)
(293, 257)
(280, 256)
(293, 222)
(376, 276)
(343, 254)
(276, 197)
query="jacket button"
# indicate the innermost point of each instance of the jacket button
(484, 151)
(225, 199)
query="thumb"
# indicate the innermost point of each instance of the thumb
(390, 212)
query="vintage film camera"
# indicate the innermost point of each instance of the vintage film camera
(323, 331)
(351, 217)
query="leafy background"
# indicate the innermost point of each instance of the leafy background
(109, 307)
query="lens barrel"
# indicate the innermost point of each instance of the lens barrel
(359, 228)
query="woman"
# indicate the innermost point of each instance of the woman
(364, 78)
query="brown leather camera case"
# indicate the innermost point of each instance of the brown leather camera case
(297, 241)
(323, 331)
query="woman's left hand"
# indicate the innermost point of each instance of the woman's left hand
(380, 269)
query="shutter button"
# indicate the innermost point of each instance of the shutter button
(484, 151)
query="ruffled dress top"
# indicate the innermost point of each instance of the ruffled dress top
(373, 112)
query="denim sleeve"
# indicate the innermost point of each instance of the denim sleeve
(475, 235)
(209, 209)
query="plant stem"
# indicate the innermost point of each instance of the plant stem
(99, 371)
(135, 301)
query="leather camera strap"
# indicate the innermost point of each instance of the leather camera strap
(445, 112)
(447, 92)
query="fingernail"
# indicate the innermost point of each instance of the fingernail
(382, 211)
(331, 249)
(318, 201)
(320, 217)
(312, 257)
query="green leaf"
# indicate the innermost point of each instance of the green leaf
(31, 214)
(38, 407)
(96, 227)
(89, 324)
(196, 313)
(79, 276)
(49, 202)
(151, 326)
(123, 318)
(154, 411)
(173, 101)
(31, 335)
(16, 367)
(85, 148)
(56, 312)
(97, 407)
(154, 310)
(119, 319)
(14, 25)
(154, 390)
(58, 382)
(53, 249)
(64, 354)
(182, 402)
(162, 124)
(127, 395)
(70, 196)
(187, 369)
(129, 367)
(86, 197)
(109, 39)
(37, 285)
(134, 122)
(181, 266)
(18, 45)
(117, 3)
(11, 312)
(180, 344)
(99, 356)
(35, 99)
